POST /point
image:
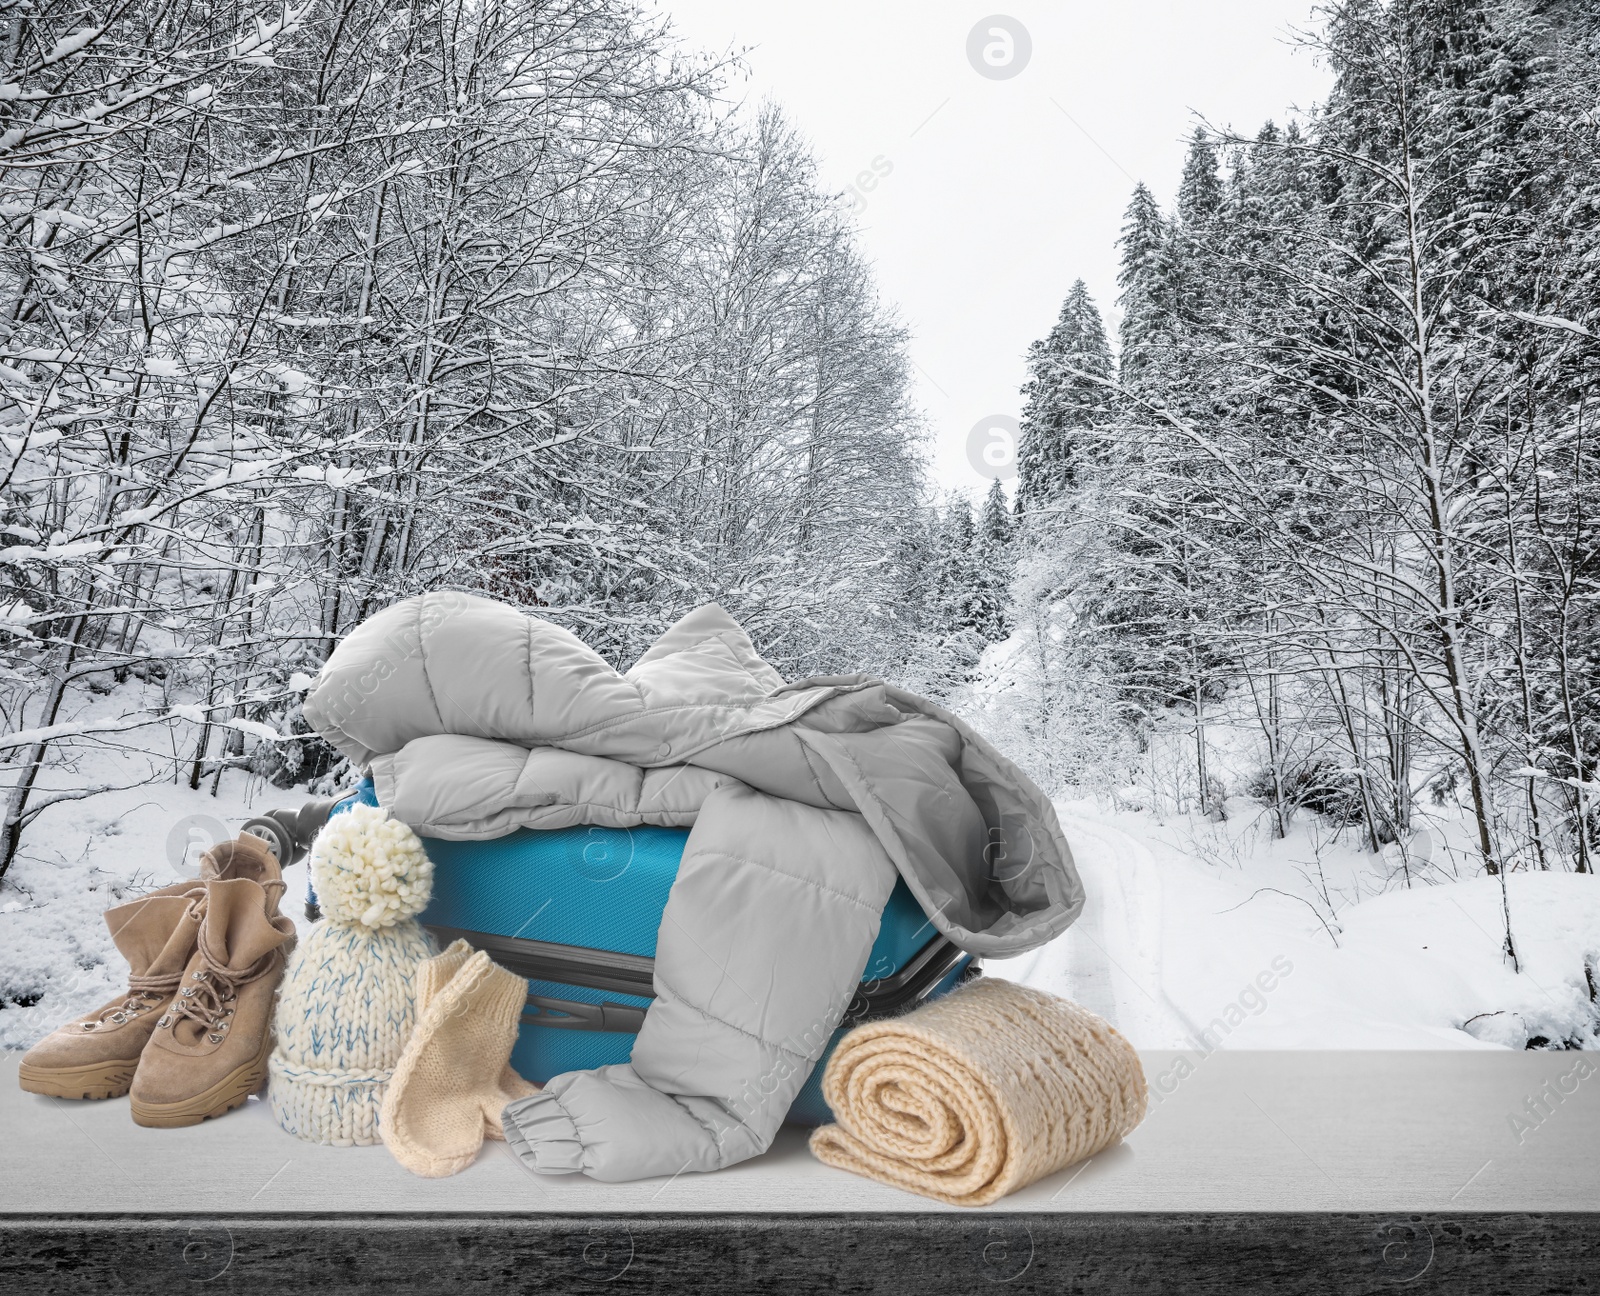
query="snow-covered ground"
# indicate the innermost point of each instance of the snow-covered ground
(1198, 935)
(80, 858)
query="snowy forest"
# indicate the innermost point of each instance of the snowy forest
(309, 307)
(1340, 471)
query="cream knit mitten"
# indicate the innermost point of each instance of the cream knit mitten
(454, 1074)
(432, 977)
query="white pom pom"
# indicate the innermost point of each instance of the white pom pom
(370, 869)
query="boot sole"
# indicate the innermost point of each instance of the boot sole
(91, 1080)
(229, 1092)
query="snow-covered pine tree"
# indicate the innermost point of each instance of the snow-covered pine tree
(1200, 189)
(1352, 459)
(957, 608)
(994, 564)
(1162, 602)
(1145, 282)
(1059, 404)
(1357, 423)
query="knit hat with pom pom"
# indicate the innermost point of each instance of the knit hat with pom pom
(347, 1004)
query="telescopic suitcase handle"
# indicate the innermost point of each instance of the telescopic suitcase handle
(289, 834)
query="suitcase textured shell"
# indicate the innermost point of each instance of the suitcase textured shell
(586, 903)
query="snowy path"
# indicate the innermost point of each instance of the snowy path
(1110, 959)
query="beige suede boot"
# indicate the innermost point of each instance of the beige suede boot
(245, 857)
(209, 1050)
(95, 1057)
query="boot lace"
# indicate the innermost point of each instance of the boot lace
(212, 991)
(143, 1000)
(147, 992)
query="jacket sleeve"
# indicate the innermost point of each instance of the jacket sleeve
(763, 941)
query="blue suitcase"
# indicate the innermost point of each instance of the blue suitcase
(576, 911)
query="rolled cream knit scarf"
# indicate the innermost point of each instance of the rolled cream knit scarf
(978, 1094)
(347, 1001)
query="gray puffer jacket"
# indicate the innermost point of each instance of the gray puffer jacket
(806, 800)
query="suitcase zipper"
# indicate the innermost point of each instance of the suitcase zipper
(889, 995)
(634, 974)
(594, 969)
(570, 1014)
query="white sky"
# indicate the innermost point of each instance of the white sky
(996, 200)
